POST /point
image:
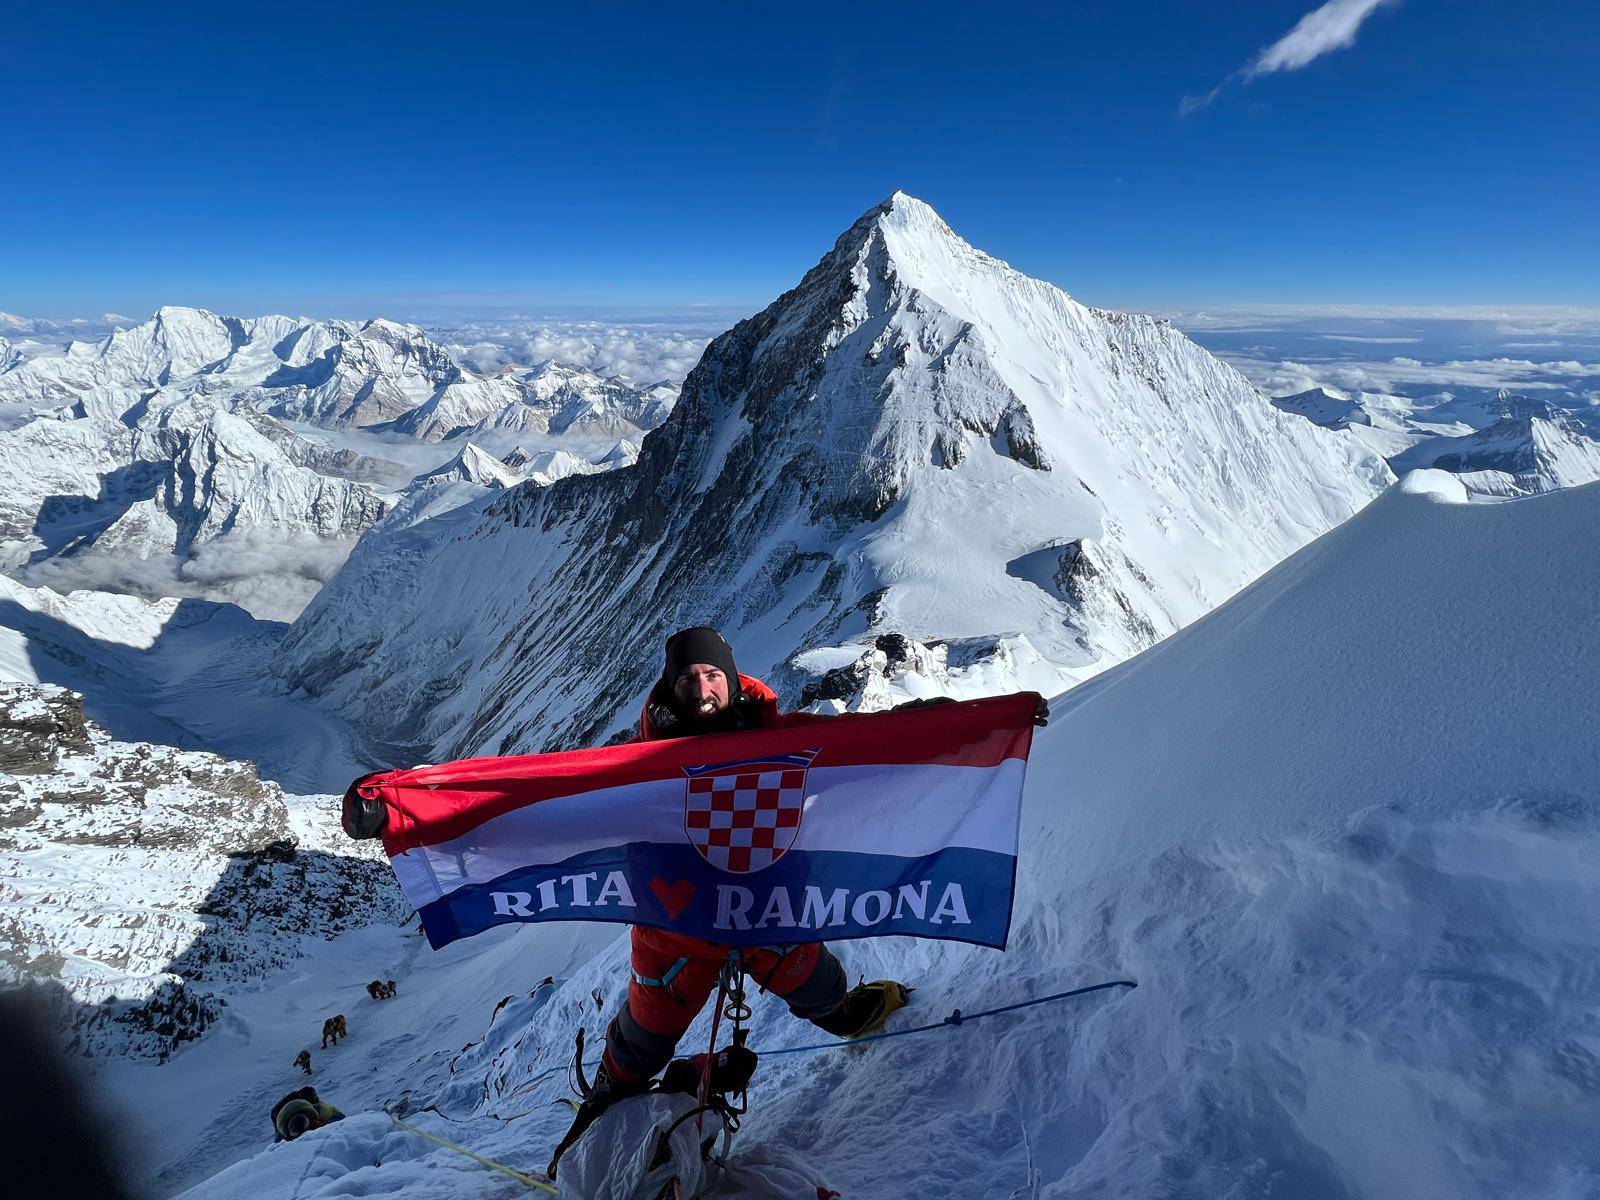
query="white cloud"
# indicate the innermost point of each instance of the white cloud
(272, 577)
(1410, 376)
(1509, 320)
(640, 354)
(1330, 27)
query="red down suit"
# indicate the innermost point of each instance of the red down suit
(674, 976)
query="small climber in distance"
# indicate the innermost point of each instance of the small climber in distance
(300, 1112)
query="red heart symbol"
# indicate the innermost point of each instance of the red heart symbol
(674, 897)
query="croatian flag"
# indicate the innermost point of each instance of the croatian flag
(818, 830)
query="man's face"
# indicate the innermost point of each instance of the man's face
(702, 690)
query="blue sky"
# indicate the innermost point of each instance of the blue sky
(424, 159)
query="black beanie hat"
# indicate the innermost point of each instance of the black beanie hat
(700, 645)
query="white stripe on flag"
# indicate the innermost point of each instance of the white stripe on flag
(906, 810)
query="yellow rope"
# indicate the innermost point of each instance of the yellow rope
(529, 1180)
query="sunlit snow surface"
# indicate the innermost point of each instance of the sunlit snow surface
(1344, 831)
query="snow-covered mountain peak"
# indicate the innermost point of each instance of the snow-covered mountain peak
(904, 237)
(914, 219)
(394, 331)
(175, 342)
(1535, 446)
(474, 466)
(917, 439)
(549, 376)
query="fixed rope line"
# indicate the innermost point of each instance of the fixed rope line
(520, 1176)
(955, 1018)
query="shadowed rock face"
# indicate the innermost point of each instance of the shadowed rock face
(141, 880)
(37, 726)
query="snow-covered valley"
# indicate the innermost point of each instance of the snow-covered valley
(1321, 774)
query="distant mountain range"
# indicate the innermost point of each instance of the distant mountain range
(132, 458)
(1508, 446)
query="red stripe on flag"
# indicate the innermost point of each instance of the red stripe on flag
(428, 805)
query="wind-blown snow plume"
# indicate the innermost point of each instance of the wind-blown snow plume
(1333, 26)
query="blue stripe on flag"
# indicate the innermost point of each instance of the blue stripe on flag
(957, 894)
(802, 759)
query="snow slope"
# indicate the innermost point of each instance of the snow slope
(1344, 832)
(916, 439)
(179, 672)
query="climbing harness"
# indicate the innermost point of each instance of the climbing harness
(710, 1081)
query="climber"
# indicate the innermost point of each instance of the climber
(701, 691)
(300, 1112)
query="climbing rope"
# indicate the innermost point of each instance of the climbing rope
(739, 1011)
(520, 1176)
(955, 1018)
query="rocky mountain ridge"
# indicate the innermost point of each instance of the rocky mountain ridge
(139, 883)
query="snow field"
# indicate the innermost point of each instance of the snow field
(1344, 832)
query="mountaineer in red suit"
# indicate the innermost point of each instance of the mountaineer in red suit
(701, 691)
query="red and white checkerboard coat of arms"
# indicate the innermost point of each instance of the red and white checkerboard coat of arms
(743, 816)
